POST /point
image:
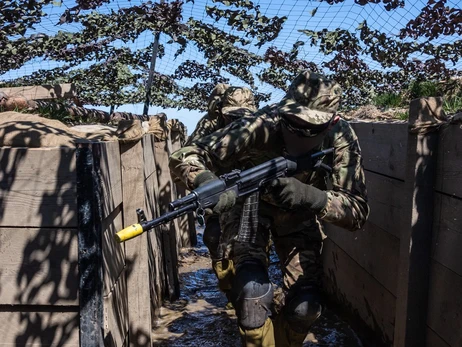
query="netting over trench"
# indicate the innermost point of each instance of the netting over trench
(105, 47)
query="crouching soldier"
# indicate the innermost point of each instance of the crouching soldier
(291, 208)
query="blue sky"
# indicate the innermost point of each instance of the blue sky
(345, 15)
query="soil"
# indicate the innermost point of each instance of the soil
(199, 317)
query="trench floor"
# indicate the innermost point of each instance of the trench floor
(199, 317)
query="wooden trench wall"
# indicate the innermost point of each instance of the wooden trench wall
(399, 279)
(64, 281)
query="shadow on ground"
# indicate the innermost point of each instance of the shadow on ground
(199, 317)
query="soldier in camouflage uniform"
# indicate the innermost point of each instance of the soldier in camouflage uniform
(225, 104)
(291, 209)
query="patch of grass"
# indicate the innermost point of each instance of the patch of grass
(452, 104)
(424, 89)
(388, 100)
(402, 115)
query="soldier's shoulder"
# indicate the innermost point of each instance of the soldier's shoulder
(267, 111)
(343, 132)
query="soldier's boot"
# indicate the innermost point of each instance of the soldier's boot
(259, 337)
(293, 323)
(284, 336)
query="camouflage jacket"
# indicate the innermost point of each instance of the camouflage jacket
(257, 138)
(205, 126)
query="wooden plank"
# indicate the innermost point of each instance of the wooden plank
(148, 155)
(155, 249)
(375, 250)
(111, 177)
(136, 250)
(449, 169)
(174, 193)
(38, 187)
(186, 235)
(168, 231)
(445, 304)
(43, 328)
(89, 197)
(447, 233)
(387, 200)
(58, 91)
(39, 266)
(113, 252)
(415, 247)
(433, 340)
(383, 147)
(116, 313)
(367, 301)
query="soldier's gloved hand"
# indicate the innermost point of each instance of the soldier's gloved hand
(290, 193)
(203, 178)
(226, 200)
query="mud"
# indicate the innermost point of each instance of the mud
(199, 317)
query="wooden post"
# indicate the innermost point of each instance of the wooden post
(155, 250)
(136, 250)
(415, 243)
(89, 245)
(169, 231)
(187, 229)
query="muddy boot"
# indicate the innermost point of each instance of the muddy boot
(229, 305)
(224, 270)
(285, 336)
(260, 337)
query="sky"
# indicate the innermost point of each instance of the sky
(344, 15)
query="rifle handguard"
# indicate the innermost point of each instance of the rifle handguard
(129, 232)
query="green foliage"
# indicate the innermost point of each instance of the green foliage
(402, 115)
(55, 111)
(423, 89)
(452, 104)
(388, 100)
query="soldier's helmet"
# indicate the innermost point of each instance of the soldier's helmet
(238, 102)
(310, 103)
(215, 99)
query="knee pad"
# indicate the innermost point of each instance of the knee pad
(302, 309)
(252, 295)
(212, 234)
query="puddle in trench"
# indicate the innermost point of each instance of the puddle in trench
(199, 317)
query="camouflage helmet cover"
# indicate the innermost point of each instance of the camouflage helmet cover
(215, 99)
(238, 102)
(312, 99)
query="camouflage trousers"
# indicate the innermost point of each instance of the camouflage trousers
(298, 250)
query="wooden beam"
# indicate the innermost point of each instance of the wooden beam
(89, 243)
(136, 250)
(415, 242)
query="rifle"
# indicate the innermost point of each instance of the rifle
(243, 183)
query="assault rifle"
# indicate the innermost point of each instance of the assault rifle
(243, 183)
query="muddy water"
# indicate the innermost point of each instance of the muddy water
(199, 317)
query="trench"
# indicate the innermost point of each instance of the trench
(200, 318)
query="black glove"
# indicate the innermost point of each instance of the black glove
(290, 193)
(226, 200)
